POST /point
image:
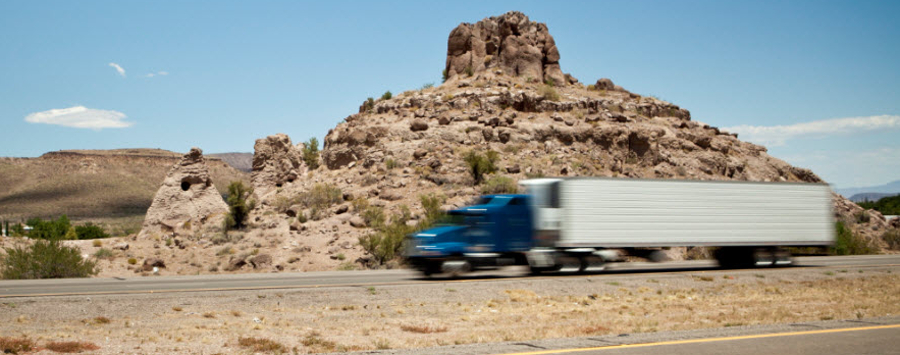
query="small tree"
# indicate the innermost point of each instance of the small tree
(238, 204)
(311, 153)
(50, 230)
(480, 165)
(387, 95)
(45, 259)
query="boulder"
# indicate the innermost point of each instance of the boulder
(418, 125)
(150, 263)
(260, 261)
(186, 202)
(357, 222)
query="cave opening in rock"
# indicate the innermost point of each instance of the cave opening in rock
(185, 185)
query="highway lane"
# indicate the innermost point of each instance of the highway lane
(150, 284)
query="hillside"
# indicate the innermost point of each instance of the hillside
(504, 93)
(240, 161)
(112, 186)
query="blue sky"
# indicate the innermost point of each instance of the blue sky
(818, 82)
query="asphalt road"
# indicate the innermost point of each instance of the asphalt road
(869, 336)
(200, 283)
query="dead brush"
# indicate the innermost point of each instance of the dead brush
(70, 346)
(262, 345)
(10, 345)
(594, 329)
(316, 344)
(423, 329)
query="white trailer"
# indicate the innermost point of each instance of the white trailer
(749, 221)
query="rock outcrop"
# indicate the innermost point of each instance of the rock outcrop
(187, 201)
(511, 43)
(276, 161)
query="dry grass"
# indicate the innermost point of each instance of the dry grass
(261, 345)
(10, 345)
(397, 317)
(423, 329)
(70, 346)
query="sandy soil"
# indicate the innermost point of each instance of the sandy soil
(448, 313)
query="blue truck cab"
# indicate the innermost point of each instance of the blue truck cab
(496, 231)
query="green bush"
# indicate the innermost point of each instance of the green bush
(90, 231)
(49, 230)
(369, 105)
(239, 205)
(427, 86)
(311, 153)
(387, 242)
(848, 243)
(387, 95)
(445, 75)
(431, 203)
(479, 164)
(390, 164)
(45, 259)
(499, 185)
(469, 70)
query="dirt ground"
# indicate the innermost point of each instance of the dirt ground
(447, 313)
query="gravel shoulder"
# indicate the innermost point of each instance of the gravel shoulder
(445, 315)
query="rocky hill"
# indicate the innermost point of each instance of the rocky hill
(114, 187)
(504, 92)
(240, 161)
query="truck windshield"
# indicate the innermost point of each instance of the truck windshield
(459, 219)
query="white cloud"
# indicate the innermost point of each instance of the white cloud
(159, 73)
(118, 68)
(80, 117)
(778, 135)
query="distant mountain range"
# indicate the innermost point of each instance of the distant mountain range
(871, 193)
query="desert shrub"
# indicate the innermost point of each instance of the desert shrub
(132, 261)
(261, 345)
(892, 238)
(311, 152)
(549, 92)
(499, 185)
(444, 76)
(239, 204)
(387, 95)
(427, 86)
(469, 71)
(387, 241)
(369, 104)
(848, 243)
(481, 164)
(431, 203)
(317, 344)
(16, 345)
(50, 230)
(104, 253)
(390, 164)
(90, 231)
(863, 217)
(45, 259)
(70, 346)
(318, 199)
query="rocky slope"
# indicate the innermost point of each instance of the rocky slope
(505, 93)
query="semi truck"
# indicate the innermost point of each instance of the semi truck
(580, 224)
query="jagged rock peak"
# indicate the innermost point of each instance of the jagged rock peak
(511, 43)
(186, 201)
(276, 161)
